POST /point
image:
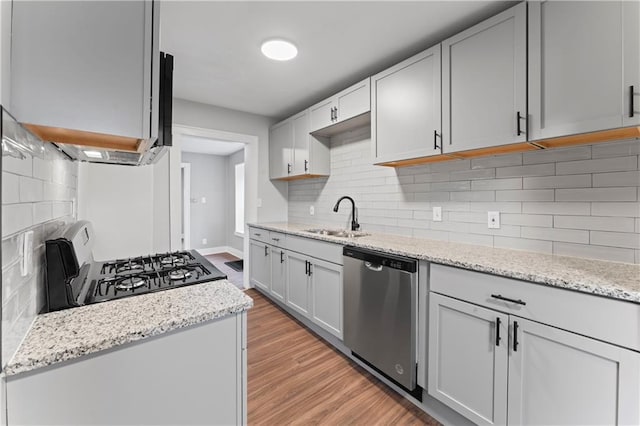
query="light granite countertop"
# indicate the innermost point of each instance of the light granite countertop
(72, 333)
(608, 279)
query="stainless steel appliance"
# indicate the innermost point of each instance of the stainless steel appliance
(73, 278)
(380, 312)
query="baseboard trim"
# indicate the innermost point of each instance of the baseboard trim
(220, 249)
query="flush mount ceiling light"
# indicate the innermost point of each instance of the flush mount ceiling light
(279, 50)
(93, 154)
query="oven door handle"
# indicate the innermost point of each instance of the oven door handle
(373, 267)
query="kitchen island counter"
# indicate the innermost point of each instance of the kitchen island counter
(609, 279)
(72, 333)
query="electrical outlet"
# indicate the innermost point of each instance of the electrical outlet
(259, 202)
(493, 220)
(26, 267)
(203, 200)
(312, 210)
(204, 241)
(437, 214)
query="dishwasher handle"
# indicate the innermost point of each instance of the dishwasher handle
(373, 267)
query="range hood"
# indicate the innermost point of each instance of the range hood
(113, 149)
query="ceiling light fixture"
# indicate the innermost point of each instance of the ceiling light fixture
(279, 50)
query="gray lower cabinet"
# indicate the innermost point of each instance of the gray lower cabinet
(582, 79)
(259, 265)
(298, 282)
(484, 83)
(326, 295)
(192, 376)
(278, 257)
(496, 368)
(406, 109)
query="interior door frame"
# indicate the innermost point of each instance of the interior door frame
(185, 169)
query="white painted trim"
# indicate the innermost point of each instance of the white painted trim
(186, 204)
(220, 249)
(251, 161)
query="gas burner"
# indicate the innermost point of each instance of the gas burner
(130, 283)
(173, 260)
(129, 266)
(180, 274)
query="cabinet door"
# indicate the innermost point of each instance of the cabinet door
(321, 115)
(406, 109)
(297, 283)
(260, 265)
(280, 149)
(326, 288)
(278, 273)
(631, 49)
(300, 144)
(353, 101)
(576, 66)
(557, 377)
(484, 83)
(467, 363)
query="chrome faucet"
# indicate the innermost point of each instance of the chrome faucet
(354, 222)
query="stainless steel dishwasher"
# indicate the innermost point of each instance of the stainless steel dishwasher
(380, 312)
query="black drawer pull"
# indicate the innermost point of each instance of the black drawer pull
(281, 256)
(257, 234)
(515, 336)
(497, 331)
(276, 239)
(266, 250)
(630, 101)
(435, 140)
(518, 118)
(506, 299)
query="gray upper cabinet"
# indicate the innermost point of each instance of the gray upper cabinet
(294, 153)
(484, 83)
(406, 109)
(349, 103)
(87, 66)
(583, 61)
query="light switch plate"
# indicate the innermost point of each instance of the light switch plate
(203, 200)
(259, 202)
(312, 210)
(204, 241)
(26, 267)
(493, 220)
(437, 214)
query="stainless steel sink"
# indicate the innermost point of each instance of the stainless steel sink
(337, 233)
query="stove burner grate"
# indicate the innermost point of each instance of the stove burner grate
(130, 283)
(179, 274)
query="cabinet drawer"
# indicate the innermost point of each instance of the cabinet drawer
(277, 239)
(610, 320)
(318, 249)
(259, 235)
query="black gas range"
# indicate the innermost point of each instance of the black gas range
(74, 279)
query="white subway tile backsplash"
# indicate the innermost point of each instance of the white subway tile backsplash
(631, 178)
(570, 181)
(619, 224)
(597, 194)
(616, 149)
(22, 166)
(525, 195)
(601, 165)
(31, 190)
(613, 254)
(556, 155)
(42, 169)
(16, 217)
(530, 170)
(548, 199)
(42, 212)
(10, 188)
(615, 239)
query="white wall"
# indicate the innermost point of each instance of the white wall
(209, 180)
(5, 51)
(161, 240)
(119, 201)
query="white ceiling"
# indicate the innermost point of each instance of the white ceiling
(202, 145)
(217, 46)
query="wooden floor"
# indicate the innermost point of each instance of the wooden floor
(296, 378)
(233, 276)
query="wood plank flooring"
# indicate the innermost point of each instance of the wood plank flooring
(295, 378)
(234, 277)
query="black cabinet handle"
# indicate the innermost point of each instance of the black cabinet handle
(630, 101)
(306, 267)
(257, 234)
(518, 118)
(309, 268)
(506, 299)
(336, 113)
(306, 165)
(497, 331)
(281, 256)
(266, 250)
(331, 113)
(435, 140)
(288, 168)
(515, 336)
(276, 239)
